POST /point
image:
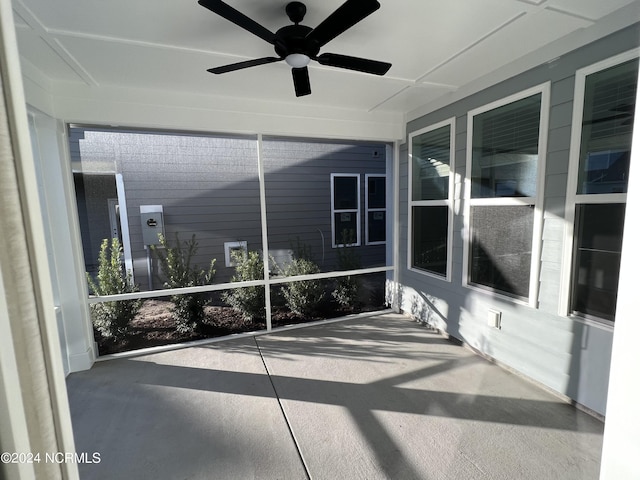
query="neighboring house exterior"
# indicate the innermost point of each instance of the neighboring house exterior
(512, 209)
(208, 186)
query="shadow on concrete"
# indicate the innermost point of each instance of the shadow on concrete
(348, 378)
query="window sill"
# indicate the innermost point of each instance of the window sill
(601, 323)
(430, 274)
(501, 296)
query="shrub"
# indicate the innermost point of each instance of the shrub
(248, 301)
(302, 297)
(112, 319)
(175, 265)
(347, 288)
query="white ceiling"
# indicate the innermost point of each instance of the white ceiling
(436, 47)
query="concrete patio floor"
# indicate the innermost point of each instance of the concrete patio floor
(365, 398)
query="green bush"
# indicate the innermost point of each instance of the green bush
(347, 288)
(346, 291)
(248, 301)
(112, 319)
(302, 297)
(175, 265)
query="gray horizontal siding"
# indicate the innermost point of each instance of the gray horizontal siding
(298, 186)
(567, 355)
(208, 186)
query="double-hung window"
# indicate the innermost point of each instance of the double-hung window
(604, 108)
(506, 142)
(376, 203)
(345, 209)
(431, 186)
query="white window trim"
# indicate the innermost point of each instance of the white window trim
(124, 223)
(538, 201)
(573, 198)
(334, 244)
(449, 202)
(367, 209)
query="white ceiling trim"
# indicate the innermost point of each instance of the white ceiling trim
(391, 97)
(472, 45)
(142, 43)
(570, 14)
(538, 7)
(38, 27)
(533, 2)
(622, 18)
(233, 57)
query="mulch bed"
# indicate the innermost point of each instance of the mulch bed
(154, 325)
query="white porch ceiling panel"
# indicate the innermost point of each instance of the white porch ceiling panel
(436, 47)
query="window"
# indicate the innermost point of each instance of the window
(505, 172)
(376, 203)
(598, 242)
(431, 199)
(600, 152)
(345, 209)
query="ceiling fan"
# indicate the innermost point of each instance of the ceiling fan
(298, 44)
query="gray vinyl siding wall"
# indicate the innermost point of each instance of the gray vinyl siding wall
(209, 186)
(567, 355)
(298, 186)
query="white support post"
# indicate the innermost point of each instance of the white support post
(396, 227)
(265, 238)
(621, 440)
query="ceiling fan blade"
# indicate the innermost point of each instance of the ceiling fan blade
(240, 19)
(354, 63)
(345, 17)
(246, 64)
(301, 81)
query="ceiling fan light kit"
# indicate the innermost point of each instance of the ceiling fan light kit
(298, 44)
(297, 60)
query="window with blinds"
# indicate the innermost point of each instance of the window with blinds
(430, 154)
(607, 126)
(504, 168)
(505, 150)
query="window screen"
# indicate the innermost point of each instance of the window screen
(430, 233)
(597, 260)
(501, 248)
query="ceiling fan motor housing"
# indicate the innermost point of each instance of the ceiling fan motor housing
(292, 39)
